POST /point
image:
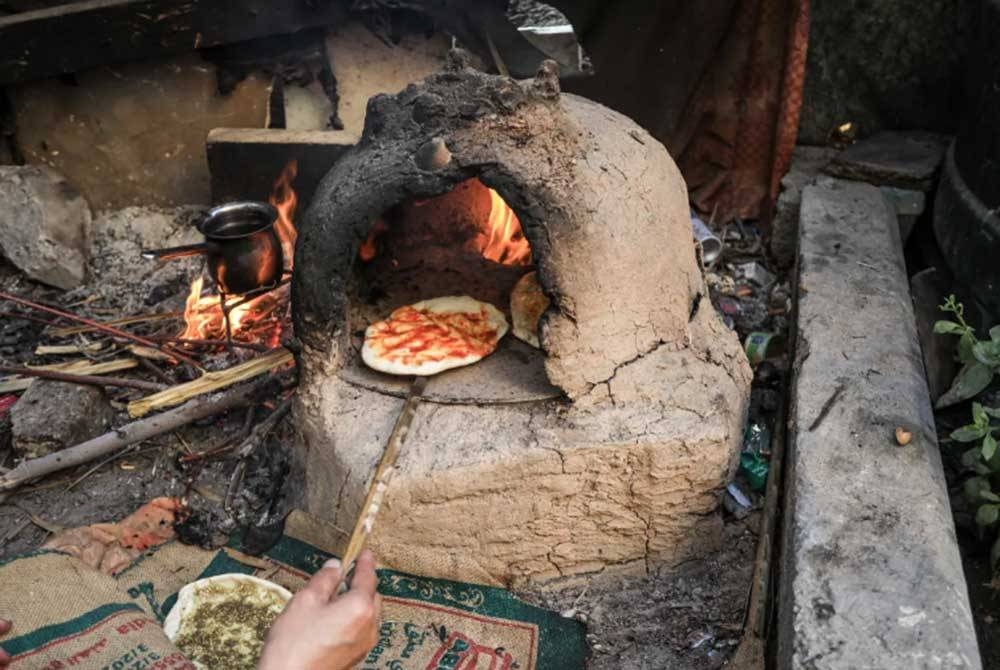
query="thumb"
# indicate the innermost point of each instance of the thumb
(324, 583)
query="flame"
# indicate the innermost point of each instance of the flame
(503, 240)
(369, 249)
(260, 319)
(285, 200)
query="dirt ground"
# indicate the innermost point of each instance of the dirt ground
(689, 618)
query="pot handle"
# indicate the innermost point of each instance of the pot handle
(176, 252)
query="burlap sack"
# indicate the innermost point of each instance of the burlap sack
(69, 616)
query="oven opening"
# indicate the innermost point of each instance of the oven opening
(466, 242)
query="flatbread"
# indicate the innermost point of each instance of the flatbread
(527, 304)
(432, 336)
(220, 622)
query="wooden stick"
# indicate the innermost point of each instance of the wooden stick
(64, 349)
(124, 321)
(213, 343)
(110, 330)
(383, 475)
(80, 367)
(211, 381)
(130, 434)
(89, 380)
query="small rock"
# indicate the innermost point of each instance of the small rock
(54, 415)
(45, 225)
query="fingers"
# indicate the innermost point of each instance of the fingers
(364, 580)
(5, 626)
(4, 659)
(324, 583)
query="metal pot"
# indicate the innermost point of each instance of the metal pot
(241, 245)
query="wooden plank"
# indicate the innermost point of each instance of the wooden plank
(245, 162)
(210, 381)
(74, 36)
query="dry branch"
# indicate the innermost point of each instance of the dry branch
(89, 380)
(211, 381)
(110, 330)
(124, 321)
(64, 349)
(130, 434)
(80, 367)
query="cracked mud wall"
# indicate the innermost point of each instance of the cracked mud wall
(600, 200)
(627, 480)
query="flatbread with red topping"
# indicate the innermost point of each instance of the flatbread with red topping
(432, 336)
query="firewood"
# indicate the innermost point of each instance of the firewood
(131, 433)
(64, 349)
(79, 367)
(211, 381)
(124, 321)
(110, 330)
(89, 380)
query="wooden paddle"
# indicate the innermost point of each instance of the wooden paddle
(380, 482)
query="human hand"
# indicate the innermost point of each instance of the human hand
(320, 630)
(5, 627)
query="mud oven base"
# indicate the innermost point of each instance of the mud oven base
(622, 470)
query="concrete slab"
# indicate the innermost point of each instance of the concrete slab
(872, 576)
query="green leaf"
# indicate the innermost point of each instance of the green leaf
(974, 485)
(971, 379)
(995, 554)
(992, 411)
(979, 417)
(948, 328)
(987, 353)
(989, 496)
(994, 333)
(989, 446)
(966, 348)
(969, 433)
(972, 459)
(987, 515)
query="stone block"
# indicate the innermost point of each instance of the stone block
(53, 415)
(872, 576)
(365, 66)
(45, 225)
(245, 162)
(807, 162)
(908, 160)
(134, 134)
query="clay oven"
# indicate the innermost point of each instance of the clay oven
(605, 450)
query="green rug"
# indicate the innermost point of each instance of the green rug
(69, 616)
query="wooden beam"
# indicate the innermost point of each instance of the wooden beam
(74, 36)
(245, 162)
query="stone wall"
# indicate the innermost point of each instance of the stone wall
(885, 64)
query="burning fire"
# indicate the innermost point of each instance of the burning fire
(503, 240)
(499, 238)
(285, 201)
(258, 320)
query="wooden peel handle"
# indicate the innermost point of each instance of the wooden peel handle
(380, 482)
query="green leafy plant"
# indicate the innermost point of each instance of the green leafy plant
(984, 461)
(980, 359)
